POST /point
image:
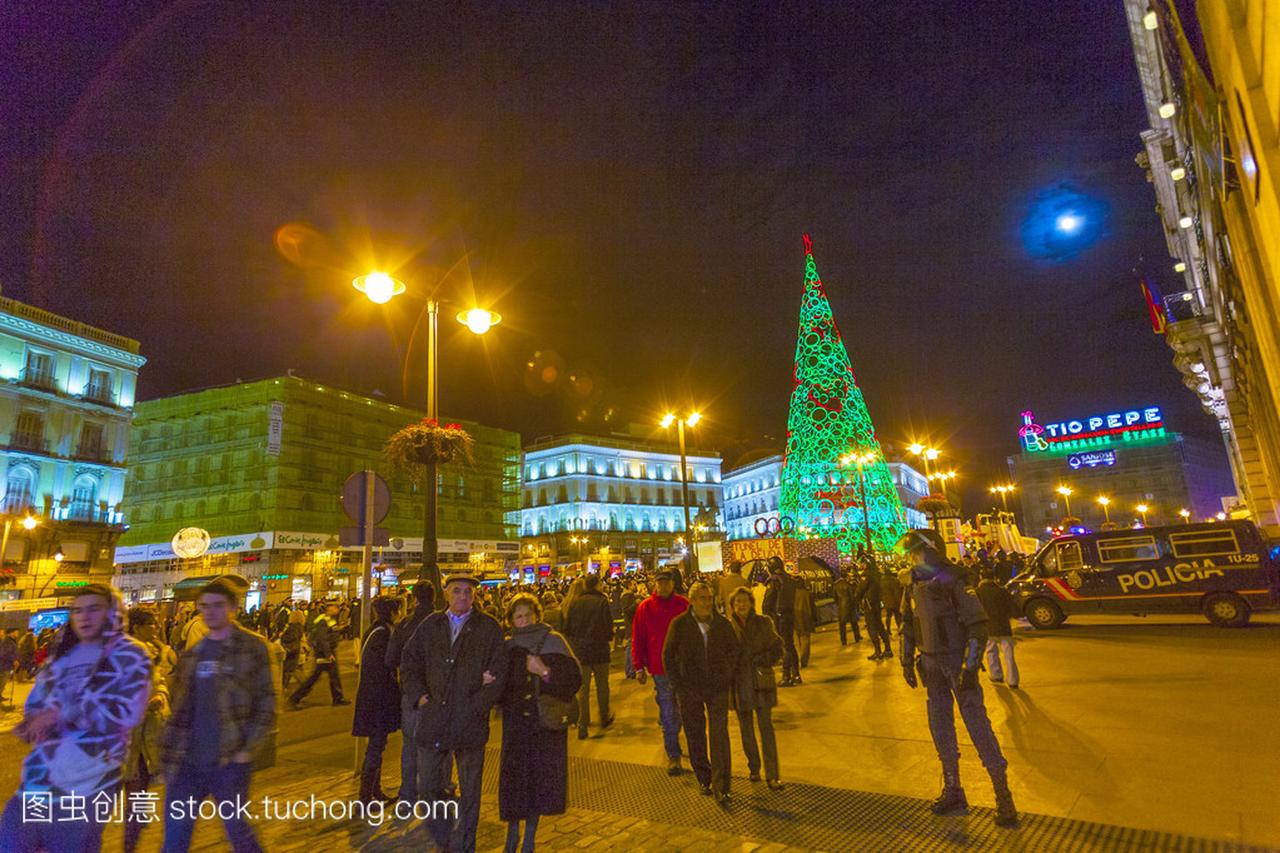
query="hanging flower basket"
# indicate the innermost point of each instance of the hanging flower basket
(933, 504)
(418, 445)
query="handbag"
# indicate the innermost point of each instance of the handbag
(554, 714)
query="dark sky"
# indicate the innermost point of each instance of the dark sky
(626, 183)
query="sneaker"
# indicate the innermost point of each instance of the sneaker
(609, 721)
(876, 656)
(674, 768)
(775, 785)
(755, 776)
(723, 798)
(706, 790)
(342, 701)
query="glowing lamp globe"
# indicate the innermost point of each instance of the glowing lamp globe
(479, 320)
(379, 287)
(1069, 223)
(30, 522)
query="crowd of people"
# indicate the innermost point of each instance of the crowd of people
(125, 698)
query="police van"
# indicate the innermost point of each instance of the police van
(1223, 570)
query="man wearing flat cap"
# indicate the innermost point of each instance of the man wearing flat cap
(454, 666)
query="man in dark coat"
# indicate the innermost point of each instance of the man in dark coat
(780, 606)
(998, 604)
(324, 643)
(868, 594)
(424, 595)
(700, 656)
(377, 711)
(589, 627)
(455, 666)
(846, 611)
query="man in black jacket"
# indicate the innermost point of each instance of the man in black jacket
(868, 594)
(846, 608)
(700, 656)
(589, 627)
(454, 667)
(324, 643)
(997, 603)
(424, 595)
(780, 605)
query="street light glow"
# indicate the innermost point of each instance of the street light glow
(667, 420)
(693, 419)
(479, 320)
(378, 286)
(1185, 513)
(30, 522)
(1104, 500)
(932, 453)
(1069, 223)
(916, 449)
(1066, 491)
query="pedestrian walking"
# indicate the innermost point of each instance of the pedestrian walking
(377, 710)
(78, 719)
(291, 639)
(589, 626)
(454, 666)
(700, 657)
(846, 609)
(654, 616)
(224, 709)
(780, 605)
(732, 581)
(868, 596)
(806, 620)
(142, 765)
(325, 635)
(943, 637)
(755, 685)
(26, 655)
(998, 605)
(8, 663)
(891, 592)
(424, 598)
(533, 777)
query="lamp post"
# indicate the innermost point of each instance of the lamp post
(1106, 507)
(1142, 511)
(1186, 515)
(581, 542)
(1066, 492)
(926, 454)
(862, 460)
(690, 420)
(29, 523)
(381, 288)
(1003, 492)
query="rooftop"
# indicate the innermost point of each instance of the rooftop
(65, 324)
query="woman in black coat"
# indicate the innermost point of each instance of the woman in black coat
(377, 709)
(533, 778)
(755, 685)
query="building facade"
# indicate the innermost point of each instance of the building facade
(260, 467)
(621, 494)
(751, 496)
(66, 398)
(1128, 457)
(1212, 152)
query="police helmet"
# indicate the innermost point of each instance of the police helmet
(914, 540)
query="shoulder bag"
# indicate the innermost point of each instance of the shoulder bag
(554, 714)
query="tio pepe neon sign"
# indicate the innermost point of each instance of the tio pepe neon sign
(1036, 437)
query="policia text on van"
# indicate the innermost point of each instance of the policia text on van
(1222, 570)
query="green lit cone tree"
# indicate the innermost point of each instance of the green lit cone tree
(828, 419)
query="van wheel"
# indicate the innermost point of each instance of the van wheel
(1226, 610)
(1043, 613)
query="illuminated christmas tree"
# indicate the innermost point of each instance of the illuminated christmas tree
(828, 422)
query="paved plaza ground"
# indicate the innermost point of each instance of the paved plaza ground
(1162, 726)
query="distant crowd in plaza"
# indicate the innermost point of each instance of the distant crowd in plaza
(124, 699)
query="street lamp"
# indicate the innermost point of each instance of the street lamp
(926, 454)
(862, 460)
(581, 542)
(1003, 492)
(381, 288)
(690, 420)
(1186, 515)
(29, 523)
(1142, 511)
(1106, 506)
(1066, 492)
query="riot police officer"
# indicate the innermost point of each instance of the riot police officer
(943, 635)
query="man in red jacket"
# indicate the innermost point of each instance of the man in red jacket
(649, 631)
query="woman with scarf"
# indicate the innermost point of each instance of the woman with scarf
(533, 778)
(755, 686)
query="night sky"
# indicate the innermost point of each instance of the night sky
(627, 184)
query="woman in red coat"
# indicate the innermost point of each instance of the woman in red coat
(533, 778)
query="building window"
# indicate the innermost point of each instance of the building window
(92, 445)
(99, 387)
(38, 371)
(84, 494)
(17, 490)
(28, 432)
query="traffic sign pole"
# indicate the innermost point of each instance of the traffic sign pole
(367, 560)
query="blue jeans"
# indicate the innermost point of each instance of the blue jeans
(669, 715)
(408, 750)
(59, 836)
(227, 785)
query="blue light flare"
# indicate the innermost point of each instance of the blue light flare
(1060, 222)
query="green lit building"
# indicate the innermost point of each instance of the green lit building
(260, 466)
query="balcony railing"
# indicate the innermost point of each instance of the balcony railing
(99, 394)
(29, 442)
(42, 379)
(92, 453)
